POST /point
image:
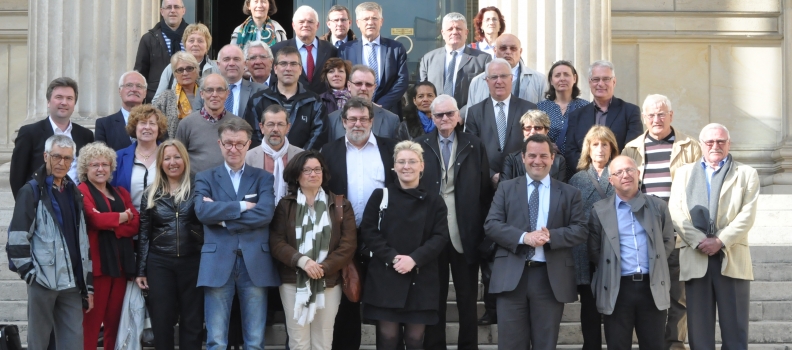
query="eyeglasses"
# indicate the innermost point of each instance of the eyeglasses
(308, 171)
(99, 165)
(499, 76)
(530, 127)
(188, 69)
(605, 80)
(134, 86)
(353, 121)
(441, 115)
(57, 158)
(628, 171)
(284, 64)
(211, 91)
(710, 143)
(340, 20)
(361, 83)
(659, 116)
(508, 48)
(258, 57)
(238, 146)
(403, 162)
(275, 125)
(172, 7)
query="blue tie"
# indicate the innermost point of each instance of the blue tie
(338, 44)
(372, 60)
(533, 214)
(229, 103)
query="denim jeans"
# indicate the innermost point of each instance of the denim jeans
(253, 306)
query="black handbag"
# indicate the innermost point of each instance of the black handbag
(9, 338)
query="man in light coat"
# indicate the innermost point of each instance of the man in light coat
(630, 237)
(713, 206)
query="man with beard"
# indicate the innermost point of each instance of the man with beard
(258, 59)
(112, 128)
(160, 43)
(275, 152)
(363, 84)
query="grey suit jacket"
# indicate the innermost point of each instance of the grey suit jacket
(471, 64)
(532, 86)
(508, 220)
(247, 89)
(605, 249)
(386, 124)
(481, 122)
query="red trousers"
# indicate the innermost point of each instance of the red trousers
(108, 301)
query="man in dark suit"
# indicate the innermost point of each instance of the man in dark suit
(386, 57)
(338, 21)
(363, 84)
(160, 43)
(371, 157)
(623, 118)
(231, 63)
(29, 143)
(533, 274)
(456, 167)
(236, 204)
(313, 52)
(452, 67)
(112, 128)
(496, 120)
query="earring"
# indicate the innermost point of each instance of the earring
(420, 175)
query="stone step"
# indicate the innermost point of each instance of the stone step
(772, 253)
(772, 272)
(13, 290)
(13, 311)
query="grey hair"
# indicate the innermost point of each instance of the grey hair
(61, 141)
(497, 61)
(368, 6)
(337, 8)
(306, 8)
(442, 99)
(455, 17)
(123, 76)
(655, 99)
(602, 63)
(712, 126)
(258, 43)
(225, 83)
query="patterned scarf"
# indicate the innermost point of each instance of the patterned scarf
(426, 122)
(250, 32)
(183, 106)
(312, 230)
(341, 97)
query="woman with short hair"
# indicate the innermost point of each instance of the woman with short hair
(336, 74)
(259, 26)
(533, 122)
(184, 97)
(197, 41)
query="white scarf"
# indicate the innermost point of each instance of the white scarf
(277, 157)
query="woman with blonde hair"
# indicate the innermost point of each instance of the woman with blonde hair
(599, 148)
(196, 41)
(183, 98)
(169, 250)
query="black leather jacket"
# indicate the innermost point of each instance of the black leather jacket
(168, 229)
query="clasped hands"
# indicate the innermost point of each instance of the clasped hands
(710, 246)
(537, 238)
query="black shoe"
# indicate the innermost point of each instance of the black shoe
(488, 319)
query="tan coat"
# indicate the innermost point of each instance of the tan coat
(736, 214)
(684, 151)
(255, 157)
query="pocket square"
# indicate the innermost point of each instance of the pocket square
(250, 195)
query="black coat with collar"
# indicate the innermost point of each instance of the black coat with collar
(112, 131)
(472, 186)
(152, 58)
(324, 51)
(335, 156)
(28, 152)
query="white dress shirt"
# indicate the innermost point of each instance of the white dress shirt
(448, 63)
(505, 107)
(365, 173)
(541, 217)
(68, 133)
(367, 52)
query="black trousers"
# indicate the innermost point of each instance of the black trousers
(729, 296)
(590, 319)
(466, 286)
(489, 299)
(635, 309)
(173, 296)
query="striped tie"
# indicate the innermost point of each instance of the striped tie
(229, 103)
(501, 121)
(372, 61)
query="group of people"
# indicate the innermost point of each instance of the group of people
(490, 168)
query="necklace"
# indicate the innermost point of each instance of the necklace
(145, 157)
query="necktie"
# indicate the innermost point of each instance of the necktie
(446, 152)
(533, 214)
(501, 121)
(310, 65)
(372, 60)
(448, 85)
(229, 103)
(338, 44)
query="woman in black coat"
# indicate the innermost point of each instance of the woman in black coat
(533, 122)
(401, 285)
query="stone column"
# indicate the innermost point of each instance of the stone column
(91, 41)
(781, 181)
(578, 31)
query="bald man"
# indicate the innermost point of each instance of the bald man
(231, 64)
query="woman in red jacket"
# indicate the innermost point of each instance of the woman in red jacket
(112, 221)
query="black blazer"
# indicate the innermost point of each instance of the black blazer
(335, 157)
(28, 153)
(395, 77)
(112, 131)
(480, 121)
(472, 186)
(324, 51)
(623, 118)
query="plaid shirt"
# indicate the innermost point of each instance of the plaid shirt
(205, 114)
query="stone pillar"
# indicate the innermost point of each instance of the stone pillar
(781, 181)
(578, 31)
(91, 41)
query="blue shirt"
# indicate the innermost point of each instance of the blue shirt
(632, 241)
(541, 217)
(304, 55)
(559, 122)
(236, 176)
(710, 171)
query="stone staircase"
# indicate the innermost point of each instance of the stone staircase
(771, 291)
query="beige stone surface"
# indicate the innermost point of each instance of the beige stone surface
(625, 60)
(642, 5)
(660, 24)
(728, 5)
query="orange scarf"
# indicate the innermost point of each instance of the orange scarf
(184, 103)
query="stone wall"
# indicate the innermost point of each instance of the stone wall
(13, 71)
